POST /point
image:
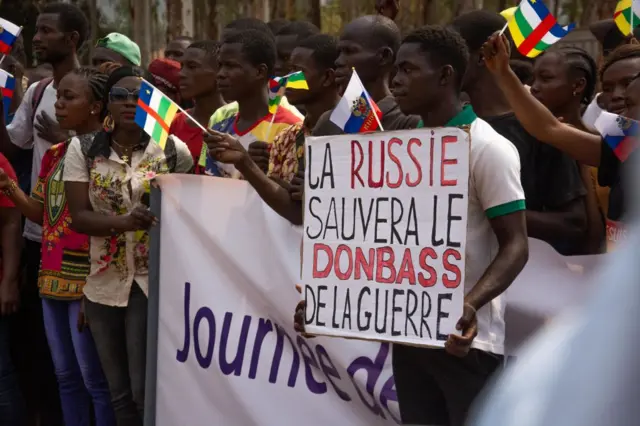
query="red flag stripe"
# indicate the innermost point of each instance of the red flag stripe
(153, 114)
(537, 34)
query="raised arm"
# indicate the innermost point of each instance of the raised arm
(535, 117)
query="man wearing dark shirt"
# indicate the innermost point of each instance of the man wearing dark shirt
(551, 180)
(369, 45)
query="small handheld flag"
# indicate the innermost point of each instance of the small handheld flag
(534, 29)
(277, 86)
(356, 112)
(8, 85)
(155, 113)
(620, 133)
(9, 33)
(626, 16)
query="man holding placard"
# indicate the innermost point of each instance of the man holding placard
(394, 224)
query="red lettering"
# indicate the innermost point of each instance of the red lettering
(431, 155)
(339, 274)
(372, 183)
(363, 264)
(317, 247)
(355, 170)
(395, 159)
(418, 142)
(450, 267)
(406, 271)
(447, 161)
(385, 263)
(425, 253)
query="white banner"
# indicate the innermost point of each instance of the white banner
(227, 351)
(385, 234)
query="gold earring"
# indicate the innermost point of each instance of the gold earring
(108, 123)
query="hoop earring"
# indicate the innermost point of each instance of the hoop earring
(108, 124)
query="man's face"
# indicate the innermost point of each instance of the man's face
(237, 77)
(102, 55)
(302, 60)
(50, 44)
(355, 53)
(197, 74)
(175, 49)
(417, 83)
(285, 45)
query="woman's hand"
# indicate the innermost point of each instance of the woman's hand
(140, 218)
(5, 180)
(496, 52)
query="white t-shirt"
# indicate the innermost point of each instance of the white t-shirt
(494, 190)
(23, 134)
(592, 112)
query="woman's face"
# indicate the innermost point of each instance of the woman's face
(123, 99)
(551, 83)
(615, 80)
(75, 105)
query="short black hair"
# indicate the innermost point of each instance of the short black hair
(71, 19)
(211, 48)
(579, 62)
(246, 24)
(477, 26)
(444, 45)
(383, 33)
(523, 70)
(276, 25)
(325, 49)
(300, 29)
(259, 47)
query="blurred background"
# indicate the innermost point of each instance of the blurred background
(151, 23)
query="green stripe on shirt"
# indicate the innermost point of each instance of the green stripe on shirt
(505, 209)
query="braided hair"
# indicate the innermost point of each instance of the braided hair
(581, 64)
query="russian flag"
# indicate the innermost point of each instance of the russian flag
(620, 133)
(355, 111)
(9, 32)
(8, 85)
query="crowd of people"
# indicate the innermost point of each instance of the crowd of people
(75, 175)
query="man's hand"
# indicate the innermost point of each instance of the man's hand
(296, 189)
(225, 148)
(496, 52)
(9, 297)
(49, 129)
(468, 324)
(298, 317)
(259, 153)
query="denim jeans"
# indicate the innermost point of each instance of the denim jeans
(77, 366)
(121, 339)
(11, 402)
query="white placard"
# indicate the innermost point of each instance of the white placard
(384, 234)
(228, 270)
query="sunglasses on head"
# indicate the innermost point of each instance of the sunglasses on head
(120, 94)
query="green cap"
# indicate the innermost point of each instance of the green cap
(123, 45)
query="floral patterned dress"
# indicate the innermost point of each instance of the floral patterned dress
(116, 188)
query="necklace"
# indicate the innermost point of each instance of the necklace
(125, 150)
